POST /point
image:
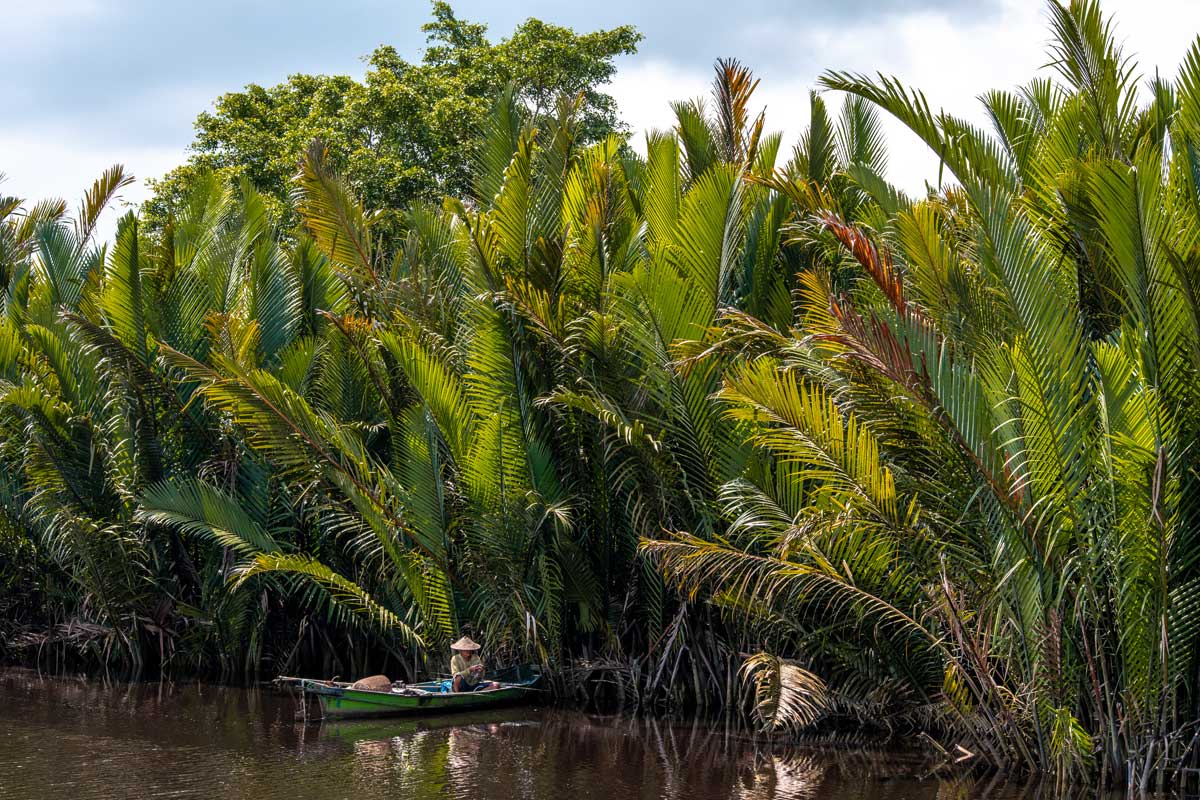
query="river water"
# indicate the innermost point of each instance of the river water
(78, 739)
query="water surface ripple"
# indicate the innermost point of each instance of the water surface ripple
(80, 739)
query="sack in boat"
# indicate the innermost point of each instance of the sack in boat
(375, 683)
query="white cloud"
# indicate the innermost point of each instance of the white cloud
(952, 56)
(949, 57)
(21, 19)
(644, 91)
(54, 167)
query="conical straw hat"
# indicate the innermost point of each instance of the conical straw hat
(465, 643)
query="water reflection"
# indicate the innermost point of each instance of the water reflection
(83, 739)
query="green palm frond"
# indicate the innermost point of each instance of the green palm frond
(662, 190)
(737, 135)
(969, 153)
(97, 198)
(274, 300)
(825, 588)
(44, 212)
(122, 301)
(696, 136)
(198, 508)
(788, 696)
(815, 153)
(708, 233)
(339, 589)
(860, 138)
(1087, 56)
(801, 422)
(502, 129)
(439, 387)
(333, 217)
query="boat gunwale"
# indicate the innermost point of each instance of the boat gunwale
(331, 688)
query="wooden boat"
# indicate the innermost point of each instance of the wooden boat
(342, 701)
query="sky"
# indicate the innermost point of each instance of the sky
(93, 82)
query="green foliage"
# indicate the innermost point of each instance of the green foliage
(928, 458)
(990, 418)
(406, 131)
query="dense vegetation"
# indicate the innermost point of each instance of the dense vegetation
(928, 458)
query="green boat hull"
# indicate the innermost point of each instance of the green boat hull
(342, 702)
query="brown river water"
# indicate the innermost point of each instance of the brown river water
(77, 739)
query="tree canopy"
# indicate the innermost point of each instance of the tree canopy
(406, 131)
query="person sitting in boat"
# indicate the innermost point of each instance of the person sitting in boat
(467, 667)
